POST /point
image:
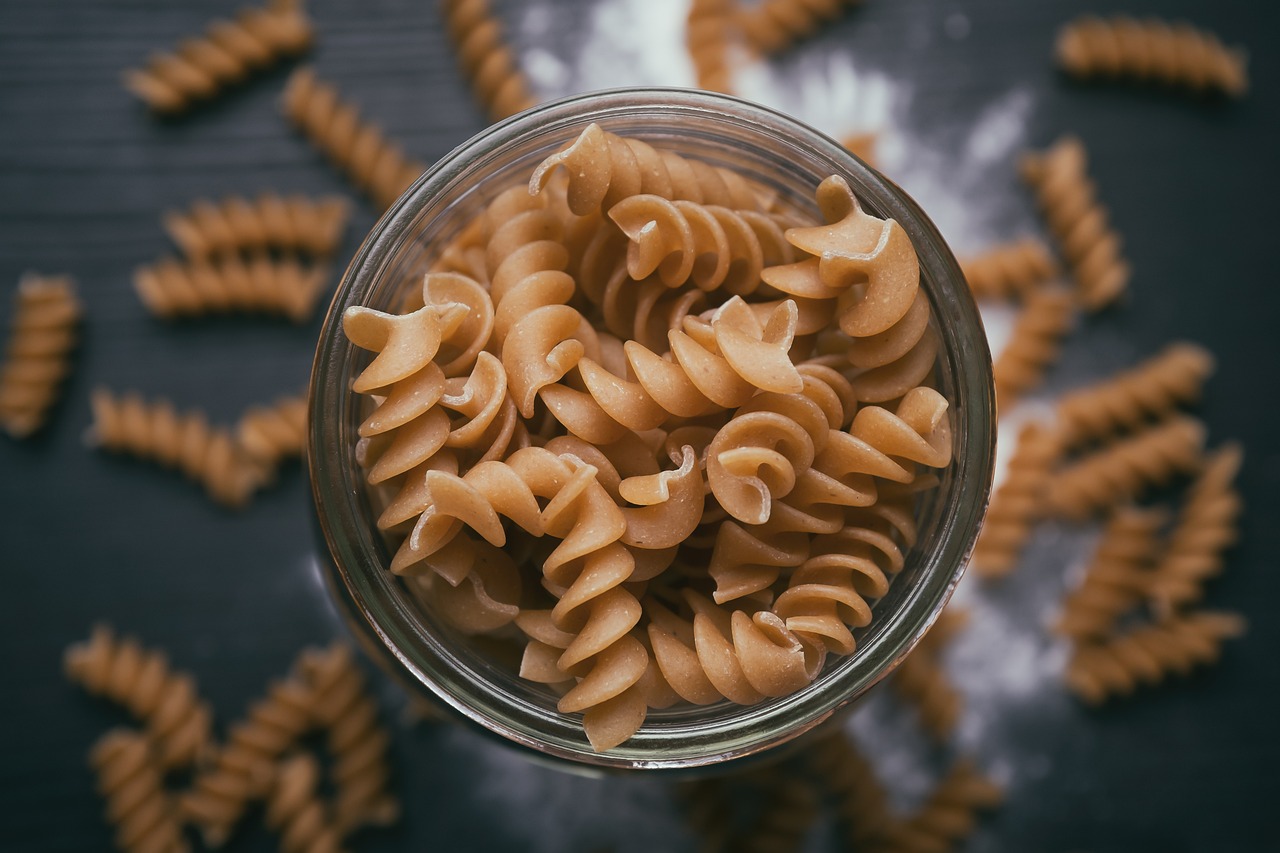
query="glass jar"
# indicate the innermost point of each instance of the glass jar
(776, 151)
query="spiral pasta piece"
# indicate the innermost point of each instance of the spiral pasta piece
(295, 810)
(1151, 389)
(1118, 577)
(122, 671)
(1120, 471)
(1149, 654)
(707, 36)
(186, 442)
(604, 168)
(920, 680)
(226, 53)
(1019, 501)
(1174, 53)
(948, 814)
(133, 785)
(861, 803)
(42, 335)
(1207, 525)
(1010, 270)
(271, 434)
(485, 58)
(863, 146)
(372, 162)
(1034, 344)
(271, 221)
(772, 26)
(1068, 200)
(356, 738)
(170, 288)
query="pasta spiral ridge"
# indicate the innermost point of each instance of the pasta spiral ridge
(1176, 54)
(1034, 344)
(226, 53)
(271, 434)
(604, 168)
(486, 59)
(1151, 389)
(1120, 471)
(1068, 200)
(133, 785)
(271, 221)
(861, 803)
(295, 810)
(38, 355)
(948, 814)
(1148, 654)
(1010, 270)
(774, 25)
(707, 37)
(186, 442)
(1207, 525)
(1019, 501)
(171, 288)
(372, 162)
(177, 720)
(1118, 577)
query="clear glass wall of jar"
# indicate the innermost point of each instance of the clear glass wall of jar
(775, 151)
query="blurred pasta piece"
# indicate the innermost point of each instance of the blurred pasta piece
(43, 333)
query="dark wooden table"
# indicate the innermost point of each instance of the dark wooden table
(85, 173)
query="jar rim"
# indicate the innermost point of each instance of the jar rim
(390, 631)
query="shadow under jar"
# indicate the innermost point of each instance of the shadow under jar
(449, 668)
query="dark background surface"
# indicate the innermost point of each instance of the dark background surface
(85, 174)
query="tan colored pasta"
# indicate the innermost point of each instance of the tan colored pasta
(170, 288)
(294, 808)
(356, 737)
(271, 221)
(486, 59)
(1068, 200)
(120, 670)
(1010, 270)
(1149, 654)
(949, 814)
(1019, 501)
(271, 434)
(863, 145)
(132, 783)
(1207, 525)
(42, 335)
(184, 441)
(1118, 577)
(861, 803)
(921, 681)
(1152, 50)
(772, 26)
(371, 161)
(1149, 390)
(226, 53)
(1120, 471)
(707, 37)
(1034, 345)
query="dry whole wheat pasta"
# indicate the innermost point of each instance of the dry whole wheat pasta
(772, 26)
(170, 288)
(271, 221)
(43, 333)
(1045, 319)
(861, 804)
(486, 59)
(1019, 501)
(1010, 270)
(863, 145)
(132, 783)
(271, 434)
(707, 34)
(949, 814)
(295, 810)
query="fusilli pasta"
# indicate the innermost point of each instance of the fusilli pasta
(1176, 54)
(170, 288)
(271, 221)
(1010, 269)
(133, 786)
(270, 434)
(371, 161)
(860, 801)
(772, 26)
(1034, 344)
(707, 34)
(42, 335)
(485, 58)
(294, 808)
(863, 145)
(1019, 501)
(921, 681)
(949, 814)
(1068, 200)
(227, 52)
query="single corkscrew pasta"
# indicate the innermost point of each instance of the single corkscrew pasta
(707, 34)
(485, 58)
(1151, 389)
(774, 25)
(122, 671)
(270, 434)
(862, 145)
(184, 441)
(371, 161)
(1173, 53)
(271, 221)
(920, 680)
(949, 814)
(1120, 471)
(861, 804)
(42, 335)
(295, 811)
(170, 288)
(138, 805)
(1010, 269)
(1068, 200)
(1019, 501)
(226, 53)
(1118, 577)
(1034, 344)
(1207, 525)
(1149, 654)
